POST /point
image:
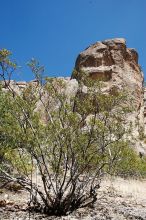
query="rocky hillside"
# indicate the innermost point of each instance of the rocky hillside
(118, 66)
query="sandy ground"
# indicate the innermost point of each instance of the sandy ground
(118, 199)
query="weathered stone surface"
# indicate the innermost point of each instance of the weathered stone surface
(111, 59)
(116, 64)
(20, 83)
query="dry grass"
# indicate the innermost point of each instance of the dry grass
(135, 189)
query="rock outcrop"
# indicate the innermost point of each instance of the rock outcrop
(17, 86)
(117, 65)
(113, 62)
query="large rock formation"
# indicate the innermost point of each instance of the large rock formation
(117, 65)
(113, 62)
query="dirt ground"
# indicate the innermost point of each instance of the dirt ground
(118, 199)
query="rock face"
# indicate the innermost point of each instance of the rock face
(19, 86)
(113, 62)
(117, 65)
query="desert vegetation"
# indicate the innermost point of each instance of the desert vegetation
(68, 141)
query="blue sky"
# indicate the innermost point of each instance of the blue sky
(55, 31)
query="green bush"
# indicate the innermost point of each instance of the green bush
(130, 164)
(72, 141)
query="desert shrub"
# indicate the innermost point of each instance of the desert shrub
(72, 140)
(130, 164)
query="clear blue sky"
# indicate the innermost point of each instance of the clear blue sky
(55, 31)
